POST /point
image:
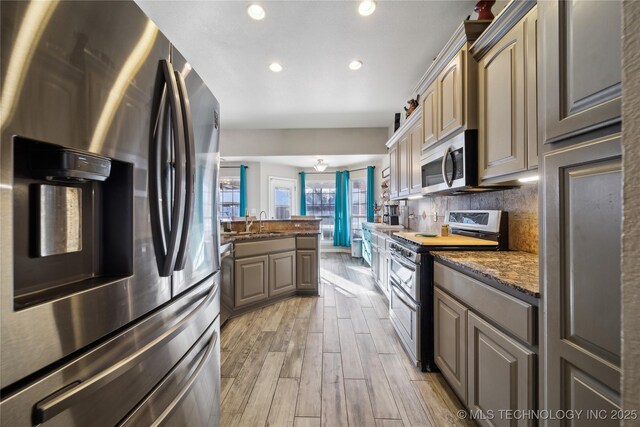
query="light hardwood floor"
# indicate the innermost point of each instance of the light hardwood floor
(332, 360)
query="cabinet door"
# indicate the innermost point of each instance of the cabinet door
(307, 270)
(375, 263)
(415, 176)
(450, 349)
(282, 273)
(430, 116)
(404, 162)
(502, 143)
(501, 373)
(393, 172)
(581, 81)
(582, 210)
(531, 86)
(384, 273)
(252, 280)
(449, 90)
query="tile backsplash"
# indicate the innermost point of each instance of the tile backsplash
(521, 204)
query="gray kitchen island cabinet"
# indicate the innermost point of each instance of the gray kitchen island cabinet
(282, 273)
(252, 280)
(267, 268)
(307, 269)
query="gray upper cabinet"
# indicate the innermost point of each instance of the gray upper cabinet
(282, 273)
(429, 101)
(583, 211)
(404, 158)
(501, 373)
(393, 172)
(508, 93)
(252, 280)
(450, 325)
(415, 172)
(307, 269)
(581, 81)
(449, 86)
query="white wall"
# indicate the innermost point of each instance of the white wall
(258, 174)
(302, 142)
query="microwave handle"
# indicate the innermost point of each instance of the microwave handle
(448, 181)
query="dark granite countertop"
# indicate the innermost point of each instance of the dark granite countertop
(231, 238)
(514, 269)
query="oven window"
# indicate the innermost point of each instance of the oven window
(432, 173)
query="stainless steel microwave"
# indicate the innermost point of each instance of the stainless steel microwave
(452, 166)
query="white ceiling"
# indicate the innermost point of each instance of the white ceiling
(314, 41)
(303, 162)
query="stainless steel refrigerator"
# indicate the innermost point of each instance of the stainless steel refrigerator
(109, 262)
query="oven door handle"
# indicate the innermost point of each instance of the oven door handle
(447, 181)
(399, 260)
(403, 298)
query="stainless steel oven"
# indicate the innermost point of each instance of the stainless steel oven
(405, 297)
(451, 166)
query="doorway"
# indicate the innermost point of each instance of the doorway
(282, 197)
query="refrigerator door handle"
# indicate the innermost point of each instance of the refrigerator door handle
(175, 403)
(166, 247)
(190, 170)
(66, 398)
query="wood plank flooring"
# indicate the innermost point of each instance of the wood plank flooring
(332, 360)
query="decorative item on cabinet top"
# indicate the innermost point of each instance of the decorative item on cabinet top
(413, 104)
(483, 9)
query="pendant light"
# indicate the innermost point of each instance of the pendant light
(320, 166)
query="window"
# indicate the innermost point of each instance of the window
(229, 197)
(358, 206)
(283, 198)
(321, 202)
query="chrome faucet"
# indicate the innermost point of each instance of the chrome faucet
(247, 224)
(261, 224)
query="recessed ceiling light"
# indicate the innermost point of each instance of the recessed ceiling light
(256, 12)
(526, 179)
(355, 65)
(367, 7)
(275, 67)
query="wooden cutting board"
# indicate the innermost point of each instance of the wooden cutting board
(450, 240)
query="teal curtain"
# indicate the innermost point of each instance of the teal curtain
(341, 229)
(370, 194)
(303, 195)
(243, 190)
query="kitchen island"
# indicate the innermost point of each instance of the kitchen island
(277, 260)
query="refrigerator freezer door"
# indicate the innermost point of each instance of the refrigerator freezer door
(82, 77)
(103, 386)
(201, 254)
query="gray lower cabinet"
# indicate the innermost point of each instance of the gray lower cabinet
(307, 269)
(282, 273)
(252, 280)
(582, 209)
(451, 341)
(501, 372)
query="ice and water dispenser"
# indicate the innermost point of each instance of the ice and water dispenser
(73, 221)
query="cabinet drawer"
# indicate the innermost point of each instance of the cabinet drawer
(404, 315)
(306, 242)
(514, 315)
(264, 247)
